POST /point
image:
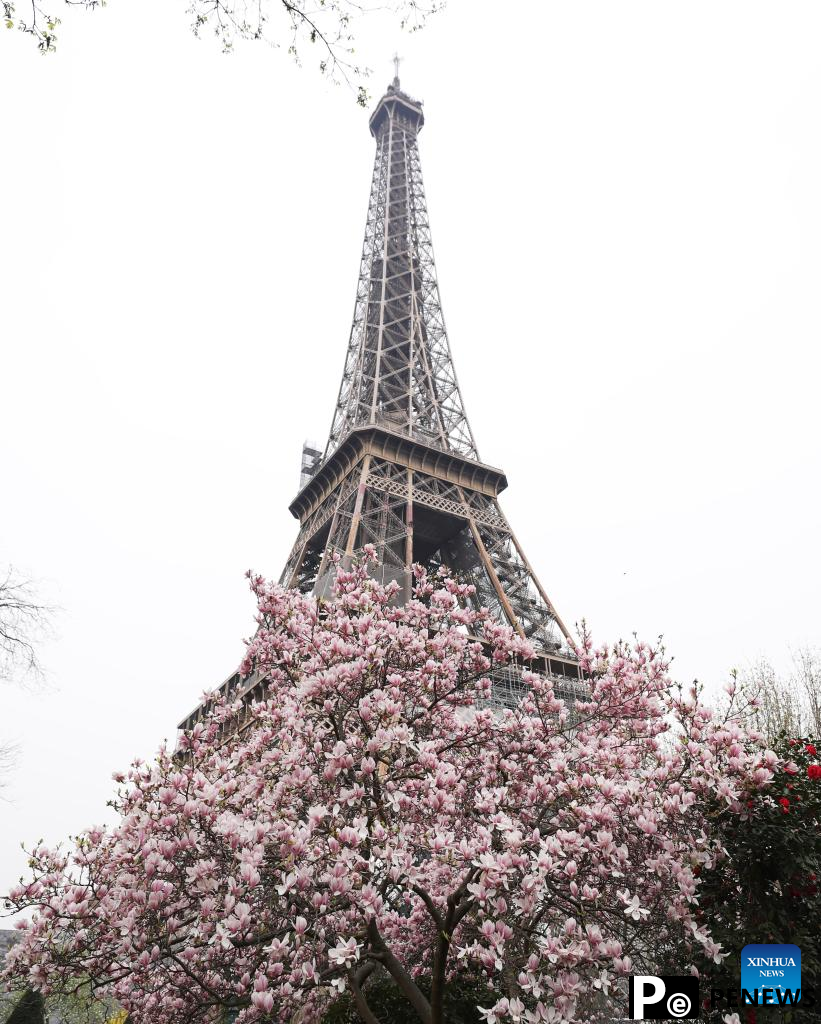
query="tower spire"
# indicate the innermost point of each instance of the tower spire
(396, 62)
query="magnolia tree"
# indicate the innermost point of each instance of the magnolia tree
(376, 819)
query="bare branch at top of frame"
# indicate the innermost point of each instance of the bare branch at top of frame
(321, 30)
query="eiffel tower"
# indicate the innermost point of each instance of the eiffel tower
(401, 470)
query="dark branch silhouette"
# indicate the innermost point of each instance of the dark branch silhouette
(325, 29)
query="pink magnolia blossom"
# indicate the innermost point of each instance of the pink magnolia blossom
(372, 815)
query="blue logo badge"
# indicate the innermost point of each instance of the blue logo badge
(771, 974)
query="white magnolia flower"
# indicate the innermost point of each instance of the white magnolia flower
(634, 910)
(344, 952)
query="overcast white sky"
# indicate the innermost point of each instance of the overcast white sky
(625, 206)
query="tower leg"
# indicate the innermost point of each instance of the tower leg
(408, 587)
(497, 586)
(357, 512)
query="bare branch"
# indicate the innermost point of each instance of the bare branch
(8, 758)
(297, 25)
(787, 705)
(25, 622)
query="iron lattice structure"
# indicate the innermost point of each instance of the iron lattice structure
(398, 369)
(401, 470)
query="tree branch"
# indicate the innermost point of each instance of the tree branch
(408, 986)
(356, 979)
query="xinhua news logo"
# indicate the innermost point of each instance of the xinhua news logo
(771, 974)
(663, 997)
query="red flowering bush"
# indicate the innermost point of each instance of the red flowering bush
(766, 888)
